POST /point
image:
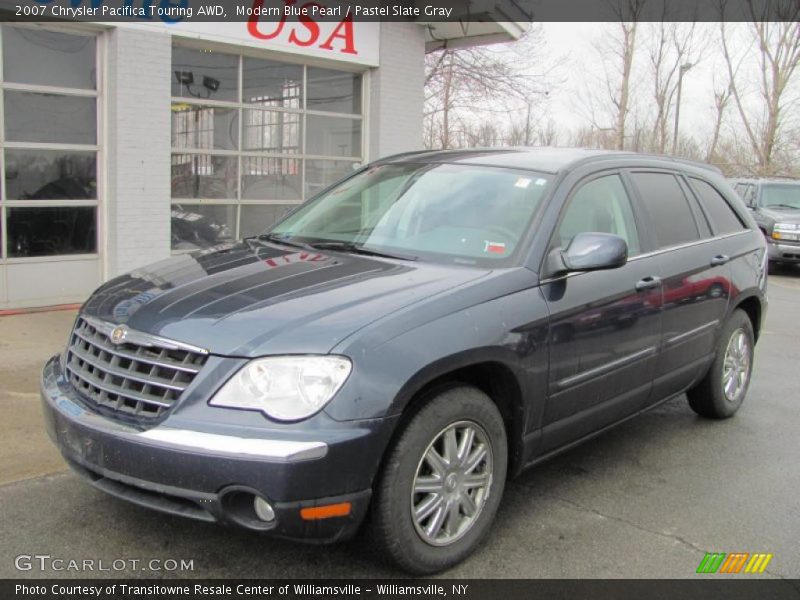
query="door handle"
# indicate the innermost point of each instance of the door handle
(720, 259)
(648, 283)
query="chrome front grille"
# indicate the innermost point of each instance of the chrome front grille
(141, 376)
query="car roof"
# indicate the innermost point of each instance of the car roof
(544, 159)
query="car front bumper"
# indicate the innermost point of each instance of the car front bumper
(783, 252)
(213, 477)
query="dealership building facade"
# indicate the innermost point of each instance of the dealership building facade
(125, 144)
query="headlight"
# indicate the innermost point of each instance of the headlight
(785, 231)
(286, 388)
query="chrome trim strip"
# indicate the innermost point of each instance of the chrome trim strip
(140, 338)
(655, 253)
(686, 334)
(573, 380)
(287, 450)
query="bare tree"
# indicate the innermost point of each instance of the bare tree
(722, 97)
(461, 82)
(672, 51)
(777, 54)
(609, 96)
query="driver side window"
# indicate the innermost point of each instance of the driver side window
(601, 206)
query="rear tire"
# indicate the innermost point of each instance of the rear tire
(450, 462)
(721, 392)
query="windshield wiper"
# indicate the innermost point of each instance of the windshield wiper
(783, 206)
(276, 239)
(355, 249)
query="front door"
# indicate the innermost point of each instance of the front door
(605, 325)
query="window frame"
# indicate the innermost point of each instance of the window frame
(97, 94)
(690, 202)
(642, 230)
(698, 199)
(240, 106)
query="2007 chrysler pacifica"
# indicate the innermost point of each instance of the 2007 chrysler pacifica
(402, 343)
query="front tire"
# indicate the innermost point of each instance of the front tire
(721, 392)
(442, 482)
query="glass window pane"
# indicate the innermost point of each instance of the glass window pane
(50, 175)
(204, 74)
(271, 131)
(668, 208)
(40, 57)
(333, 136)
(201, 226)
(49, 231)
(719, 211)
(204, 127)
(258, 218)
(265, 178)
(272, 84)
(334, 91)
(50, 118)
(204, 176)
(322, 173)
(603, 206)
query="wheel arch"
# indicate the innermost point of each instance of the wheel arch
(495, 377)
(753, 307)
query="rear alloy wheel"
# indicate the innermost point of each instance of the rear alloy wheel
(722, 391)
(442, 482)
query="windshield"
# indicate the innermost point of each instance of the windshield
(438, 212)
(781, 196)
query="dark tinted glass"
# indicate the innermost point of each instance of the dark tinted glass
(723, 219)
(668, 208)
(50, 175)
(48, 231)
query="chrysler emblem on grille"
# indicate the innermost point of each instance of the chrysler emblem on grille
(118, 334)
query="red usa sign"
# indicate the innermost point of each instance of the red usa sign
(298, 30)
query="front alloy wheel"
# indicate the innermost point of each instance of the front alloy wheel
(453, 480)
(442, 482)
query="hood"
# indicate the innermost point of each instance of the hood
(782, 215)
(255, 299)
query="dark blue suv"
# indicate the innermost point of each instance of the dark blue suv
(408, 339)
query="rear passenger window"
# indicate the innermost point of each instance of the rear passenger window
(723, 218)
(668, 207)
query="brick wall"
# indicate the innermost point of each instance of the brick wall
(396, 94)
(138, 150)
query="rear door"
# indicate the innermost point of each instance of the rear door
(695, 268)
(605, 325)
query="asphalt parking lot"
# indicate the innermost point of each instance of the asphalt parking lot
(646, 500)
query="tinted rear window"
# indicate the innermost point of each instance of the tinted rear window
(723, 218)
(668, 208)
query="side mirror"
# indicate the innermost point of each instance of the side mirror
(590, 251)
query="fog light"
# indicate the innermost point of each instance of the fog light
(263, 509)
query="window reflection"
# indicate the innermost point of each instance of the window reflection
(203, 176)
(52, 118)
(50, 175)
(201, 226)
(45, 231)
(39, 57)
